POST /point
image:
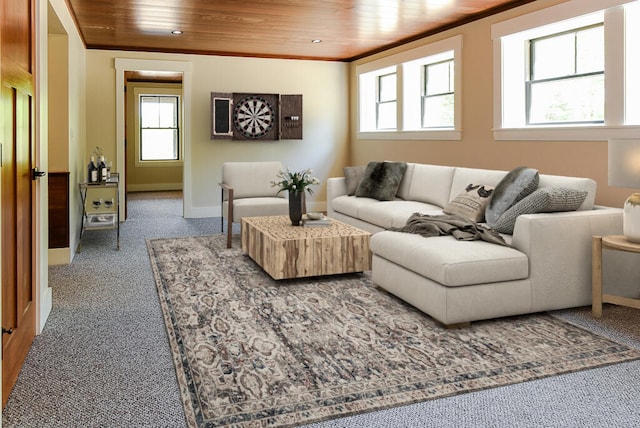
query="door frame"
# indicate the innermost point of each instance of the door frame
(126, 64)
(44, 293)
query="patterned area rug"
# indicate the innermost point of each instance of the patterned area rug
(250, 351)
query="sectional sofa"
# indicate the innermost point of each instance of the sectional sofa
(545, 265)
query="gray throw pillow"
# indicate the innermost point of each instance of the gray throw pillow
(517, 184)
(543, 200)
(381, 180)
(353, 175)
(471, 203)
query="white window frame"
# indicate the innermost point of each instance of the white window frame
(380, 102)
(138, 92)
(621, 60)
(425, 95)
(408, 68)
(564, 76)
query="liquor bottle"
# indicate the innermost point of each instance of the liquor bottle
(102, 167)
(92, 176)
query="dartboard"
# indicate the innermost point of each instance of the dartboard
(253, 116)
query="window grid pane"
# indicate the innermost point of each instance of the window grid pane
(553, 57)
(438, 95)
(386, 115)
(159, 133)
(158, 144)
(437, 111)
(167, 114)
(572, 100)
(387, 88)
(566, 82)
(149, 112)
(590, 50)
(438, 78)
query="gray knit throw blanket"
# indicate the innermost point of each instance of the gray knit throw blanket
(459, 227)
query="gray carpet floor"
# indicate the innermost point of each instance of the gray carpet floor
(103, 359)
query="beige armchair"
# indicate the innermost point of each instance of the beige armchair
(247, 192)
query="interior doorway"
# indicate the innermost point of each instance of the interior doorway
(154, 132)
(159, 68)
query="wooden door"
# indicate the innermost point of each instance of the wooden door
(16, 113)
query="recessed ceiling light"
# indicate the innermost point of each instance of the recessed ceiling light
(316, 41)
(176, 32)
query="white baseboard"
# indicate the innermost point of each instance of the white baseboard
(60, 256)
(153, 187)
(203, 212)
(46, 304)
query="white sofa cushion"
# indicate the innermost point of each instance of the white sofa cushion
(430, 184)
(393, 213)
(350, 205)
(405, 184)
(252, 179)
(450, 262)
(253, 207)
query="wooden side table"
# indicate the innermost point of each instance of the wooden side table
(612, 242)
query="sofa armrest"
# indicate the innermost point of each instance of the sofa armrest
(336, 186)
(549, 228)
(558, 246)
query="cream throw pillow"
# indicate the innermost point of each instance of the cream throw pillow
(471, 203)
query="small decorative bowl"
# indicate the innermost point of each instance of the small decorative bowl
(314, 216)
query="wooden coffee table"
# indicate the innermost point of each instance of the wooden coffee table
(286, 251)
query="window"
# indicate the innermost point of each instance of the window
(377, 112)
(438, 95)
(632, 63)
(566, 72)
(412, 95)
(159, 132)
(386, 103)
(566, 77)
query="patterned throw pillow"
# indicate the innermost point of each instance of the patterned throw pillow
(353, 175)
(543, 200)
(471, 203)
(517, 184)
(381, 180)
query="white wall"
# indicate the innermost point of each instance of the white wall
(74, 149)
(324, 86)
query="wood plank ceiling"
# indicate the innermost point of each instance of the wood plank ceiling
(347, 29)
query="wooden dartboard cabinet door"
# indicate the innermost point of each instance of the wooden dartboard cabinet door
(221, 115)
(291, 117)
